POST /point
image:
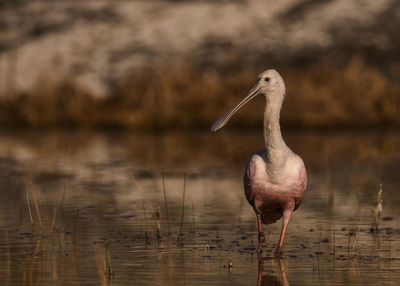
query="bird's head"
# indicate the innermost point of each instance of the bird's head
(269, 83)
(272, 85)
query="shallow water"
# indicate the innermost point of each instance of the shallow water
(101, 214)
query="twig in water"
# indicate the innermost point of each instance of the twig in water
(156, 214)
(377, 209)
(207, 251)
(158, 217)
(193, 226)
(75, 226)
(34, 195)
(53, 221)
(63, 197)
(29, 209)
(230, 265)
(165, 202)
(110, 270)
(183, 205)
(62, 208)
(357, 233)
(141, 190)
(101, 264)
(334, 247)
(319, 243)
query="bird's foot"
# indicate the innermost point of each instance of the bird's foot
(259, 250)
(261, 237)
(278, 253)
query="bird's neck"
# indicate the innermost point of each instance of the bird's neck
(275, 146)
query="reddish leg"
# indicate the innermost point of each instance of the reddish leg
(260, 271)
(285, 282)
(261, 236)
(286, 217)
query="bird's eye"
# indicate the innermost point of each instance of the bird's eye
(267, 79)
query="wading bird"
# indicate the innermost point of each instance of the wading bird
(275, 179)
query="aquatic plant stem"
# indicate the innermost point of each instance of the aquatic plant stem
(165, 202)
(183, 205)
(75, 226)
(34, 195)
(29, 209)
(141, 190)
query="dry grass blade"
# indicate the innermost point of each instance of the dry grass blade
(165, 201)
(101, 264)
(183, 205)
(34, 195)
(142, 191)
(156, 213)
(75, 226)
(110, 270)
(357, 234)
(29, 209)
(63, 197)
(377, 209)
(8, 254)
(53, 221)
(193, 225)
(334, 247)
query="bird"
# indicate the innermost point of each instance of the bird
(275, 178)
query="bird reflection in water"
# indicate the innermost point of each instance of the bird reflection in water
(272, 279)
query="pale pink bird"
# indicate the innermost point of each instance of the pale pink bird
(275, 179)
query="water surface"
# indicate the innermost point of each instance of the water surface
(118, 208)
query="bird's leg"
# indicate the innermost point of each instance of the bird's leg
(261, 236)
(286, 217)
(260, 271)
(283, 273)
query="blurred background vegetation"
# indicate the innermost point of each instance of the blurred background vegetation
(181, 64)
